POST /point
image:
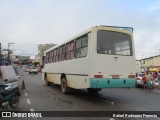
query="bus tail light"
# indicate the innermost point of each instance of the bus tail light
(115, 76)
(98, 76)
(138, 78)
(131, 76)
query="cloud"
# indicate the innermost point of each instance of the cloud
(29, 23)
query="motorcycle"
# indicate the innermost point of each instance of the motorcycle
(9, 97)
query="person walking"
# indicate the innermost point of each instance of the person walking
(144, 81)
(149, 78)
(155, 79)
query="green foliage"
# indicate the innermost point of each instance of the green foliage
(36, 63)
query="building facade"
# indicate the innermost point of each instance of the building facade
(138, 66)
(151, 62)
(41, 49)
(19, 59)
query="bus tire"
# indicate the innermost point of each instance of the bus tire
(64, 87)
(93, 90)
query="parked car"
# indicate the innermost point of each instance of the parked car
(139, 82)
(24, 67)
(33, 70)
(27, 69)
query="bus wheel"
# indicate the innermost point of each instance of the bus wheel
(93, 90)
(64, 87)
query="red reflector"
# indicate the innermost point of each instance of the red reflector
(98, 76)
(138, 78)
(115, 76)
(131, 76)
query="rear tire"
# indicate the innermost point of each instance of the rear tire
(93, 90)
(64, 87)
(14, 102)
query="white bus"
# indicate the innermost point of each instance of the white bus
(100, 57)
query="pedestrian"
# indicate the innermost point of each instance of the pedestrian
(148, 81)
(155, 76)
(159, 75)
(144, 81)
(155, 79)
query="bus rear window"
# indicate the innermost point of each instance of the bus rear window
(114, 43)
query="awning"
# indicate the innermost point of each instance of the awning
(154, 69)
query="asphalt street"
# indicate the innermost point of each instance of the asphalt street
(39, 97)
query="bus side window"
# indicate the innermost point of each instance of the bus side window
(60, 54)
(63, 53)
(47, 58)
(84, 47)
(56, 55)
(81, 47)
(78, 48)
(67, 51)
(72, 49)
(52, 56)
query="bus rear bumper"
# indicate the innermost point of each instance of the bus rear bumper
(112, 83)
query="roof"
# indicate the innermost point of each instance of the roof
(126, 29)
(150, 57)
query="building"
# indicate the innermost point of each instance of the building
(19, 59)
(41, 49)
(4, 53)
(151, 62)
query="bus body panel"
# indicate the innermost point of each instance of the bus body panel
(76, 70)
(109, 66)
(112, 83)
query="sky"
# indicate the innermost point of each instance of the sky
(28, 23)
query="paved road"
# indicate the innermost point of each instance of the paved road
(39, 97)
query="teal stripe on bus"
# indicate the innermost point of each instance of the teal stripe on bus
(112, 83)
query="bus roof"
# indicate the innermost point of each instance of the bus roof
(129, 29)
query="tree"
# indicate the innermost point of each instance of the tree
(36, 63)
